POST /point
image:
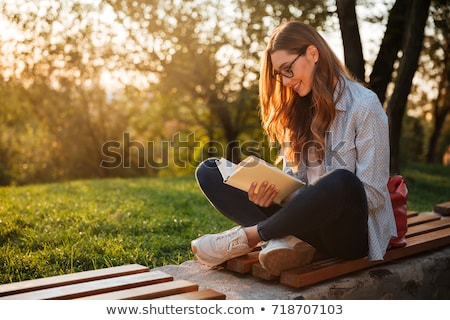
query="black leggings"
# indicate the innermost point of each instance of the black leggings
(331, 215)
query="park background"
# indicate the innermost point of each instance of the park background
(108, 106)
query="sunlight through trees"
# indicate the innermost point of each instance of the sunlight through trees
(78, 76)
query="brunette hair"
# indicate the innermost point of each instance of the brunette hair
(298, 122)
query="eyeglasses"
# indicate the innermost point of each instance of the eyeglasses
(287, 70)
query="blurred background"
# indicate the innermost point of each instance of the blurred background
(129, 88)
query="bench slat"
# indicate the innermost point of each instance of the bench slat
(427, 227)
(411, 213)
(94, 287)
(207, 294)
(147, 292)
(422, 218)
(259, 272)
(68, 279)
(243, 264)
(443, 208)
(312, 274)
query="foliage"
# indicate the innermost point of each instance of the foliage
(56, 113)
(59, 228)
(108, 88)
(412, 140)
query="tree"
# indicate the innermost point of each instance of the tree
(417, 14)
(439, 56)
(210, 59)
(354, 59)
(58, 60)
(87, 74)
(404, 34)
(384, 65)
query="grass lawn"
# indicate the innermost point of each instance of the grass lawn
(59, 228)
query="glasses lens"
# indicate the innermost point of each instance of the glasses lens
(287, 73)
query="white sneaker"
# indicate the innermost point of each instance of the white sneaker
(285, 253)
(214, 249)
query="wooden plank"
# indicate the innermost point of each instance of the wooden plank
(243, 264)
(427, 227)
(312, 274)
(207, 294)
(147, 292)
(410, 213)
(422, 218)
(443, 208)
(246, 264)
(68, 279)
(259, 272)
(94, 287)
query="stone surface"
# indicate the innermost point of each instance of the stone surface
(423, 276)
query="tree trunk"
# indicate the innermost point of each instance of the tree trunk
(417, 16)
(354, 59)
(441, 110)
(381, 74)
(231, 149)
(439, 120)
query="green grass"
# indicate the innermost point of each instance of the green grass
(53, 229)
(60, 228)
(427, 185)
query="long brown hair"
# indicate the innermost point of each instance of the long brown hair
(294, 121)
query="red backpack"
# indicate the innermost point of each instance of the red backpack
(399, 196)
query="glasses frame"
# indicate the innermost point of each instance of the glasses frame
(287, 71)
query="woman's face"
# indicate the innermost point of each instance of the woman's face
(302, 68)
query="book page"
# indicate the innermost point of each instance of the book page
(225, 167)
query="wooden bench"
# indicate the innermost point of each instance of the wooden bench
(426, 231)
(129, 282)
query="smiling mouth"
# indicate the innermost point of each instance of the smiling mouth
(297, 87)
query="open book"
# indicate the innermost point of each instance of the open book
(253, 169)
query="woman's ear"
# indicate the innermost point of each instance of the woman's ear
(313, 53)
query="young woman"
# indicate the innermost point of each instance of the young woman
(334, 136)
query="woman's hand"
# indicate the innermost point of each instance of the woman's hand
(264, 197)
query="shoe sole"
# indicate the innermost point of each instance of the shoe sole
(279, 260)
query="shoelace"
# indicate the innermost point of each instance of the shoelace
(227, 241)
